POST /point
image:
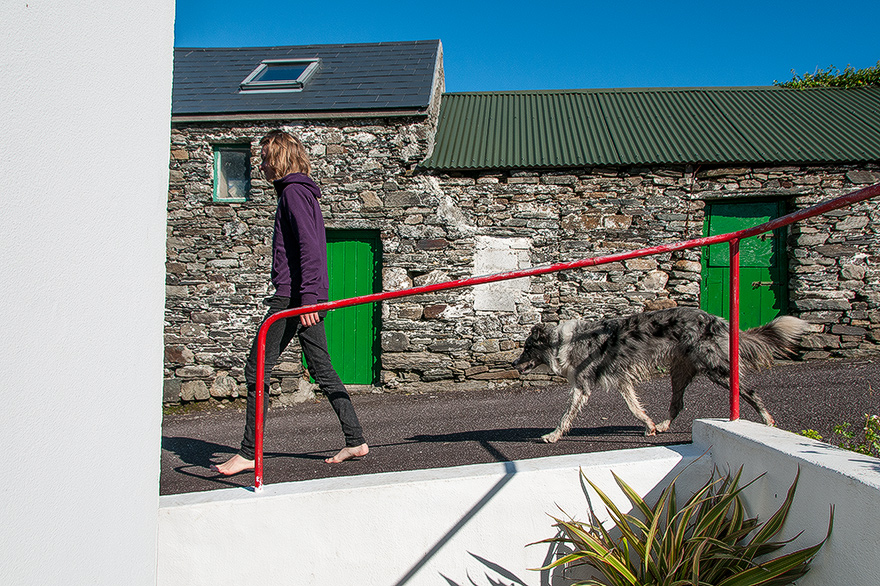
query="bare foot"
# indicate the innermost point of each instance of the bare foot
(233, 465)
(349, 453)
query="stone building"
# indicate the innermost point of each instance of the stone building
(579, 174)
(367, 113)
(418, 193)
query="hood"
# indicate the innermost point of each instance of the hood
(299, 178)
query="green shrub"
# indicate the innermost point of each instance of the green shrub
(867, 442)
(709, 541)
(833, 77)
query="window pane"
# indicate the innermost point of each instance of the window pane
(281, 73)
(233, 181)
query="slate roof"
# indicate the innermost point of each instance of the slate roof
(614, 127)
(352, 77)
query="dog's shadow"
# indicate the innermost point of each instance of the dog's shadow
(529, 434)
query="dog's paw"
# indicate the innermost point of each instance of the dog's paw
(649, 431)
(662, 426)
(551, 438)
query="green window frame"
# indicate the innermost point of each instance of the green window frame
(232, 173)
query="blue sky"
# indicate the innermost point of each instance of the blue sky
(515, 45)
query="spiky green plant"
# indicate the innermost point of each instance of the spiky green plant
(708, 541)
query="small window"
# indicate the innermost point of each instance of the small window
(280, 75)
(232, 173)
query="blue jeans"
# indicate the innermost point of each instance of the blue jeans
(313, 341)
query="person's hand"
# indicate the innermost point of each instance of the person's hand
(309, 319)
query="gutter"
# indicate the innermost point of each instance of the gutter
(262, 116)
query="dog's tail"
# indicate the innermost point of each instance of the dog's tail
(777, 339)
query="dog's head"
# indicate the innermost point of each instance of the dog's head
(535, 350)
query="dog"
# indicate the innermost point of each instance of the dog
(618, 353)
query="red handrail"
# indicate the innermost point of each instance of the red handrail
(733, 238)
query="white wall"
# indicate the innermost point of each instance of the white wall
(85, 104)
(828, 476)
(470, 525)
(453, 526)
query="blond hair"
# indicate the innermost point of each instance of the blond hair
(285, 154)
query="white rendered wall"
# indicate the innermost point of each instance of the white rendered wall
(85, 104)
(828, 476)
(461, 526)
(470, 525)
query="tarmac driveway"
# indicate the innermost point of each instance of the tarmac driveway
(408, 432)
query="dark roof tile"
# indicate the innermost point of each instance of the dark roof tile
(384, 76)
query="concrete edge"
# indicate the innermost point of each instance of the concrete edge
(683, 452)
(852, 465)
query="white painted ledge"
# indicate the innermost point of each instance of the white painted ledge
(439, 526)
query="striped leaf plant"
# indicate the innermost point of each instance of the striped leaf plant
(706, 541)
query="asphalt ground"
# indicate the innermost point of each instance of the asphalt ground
(422, 431)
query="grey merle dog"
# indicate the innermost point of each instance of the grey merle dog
(618, 353)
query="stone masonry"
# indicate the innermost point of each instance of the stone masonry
(218, 260)
(441, 226)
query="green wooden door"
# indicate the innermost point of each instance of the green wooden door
(353, 258)
(763, 291)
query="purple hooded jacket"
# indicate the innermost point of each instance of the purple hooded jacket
(299, 243)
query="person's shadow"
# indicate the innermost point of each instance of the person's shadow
(194, 452)
(198, 456)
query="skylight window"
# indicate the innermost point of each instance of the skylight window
(280, 75)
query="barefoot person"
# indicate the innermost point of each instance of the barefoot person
(299, 273)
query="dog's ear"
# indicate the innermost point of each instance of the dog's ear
(540, 335)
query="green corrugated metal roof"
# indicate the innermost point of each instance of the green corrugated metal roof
(576, 128)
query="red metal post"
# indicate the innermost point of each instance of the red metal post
(260, 396)
(734, 329)
(258, 423)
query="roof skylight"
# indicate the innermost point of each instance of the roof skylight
(280, 75)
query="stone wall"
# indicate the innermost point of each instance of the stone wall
(569, 215)
(218, 259)
(436, 227)
(835, 266)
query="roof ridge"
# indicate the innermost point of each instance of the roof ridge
(652, 90)
(311, 45)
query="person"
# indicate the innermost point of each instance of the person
(299, 274)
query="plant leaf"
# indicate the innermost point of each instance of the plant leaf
(774, 524)
(636, 500)
(620, 519)
(790, 566)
